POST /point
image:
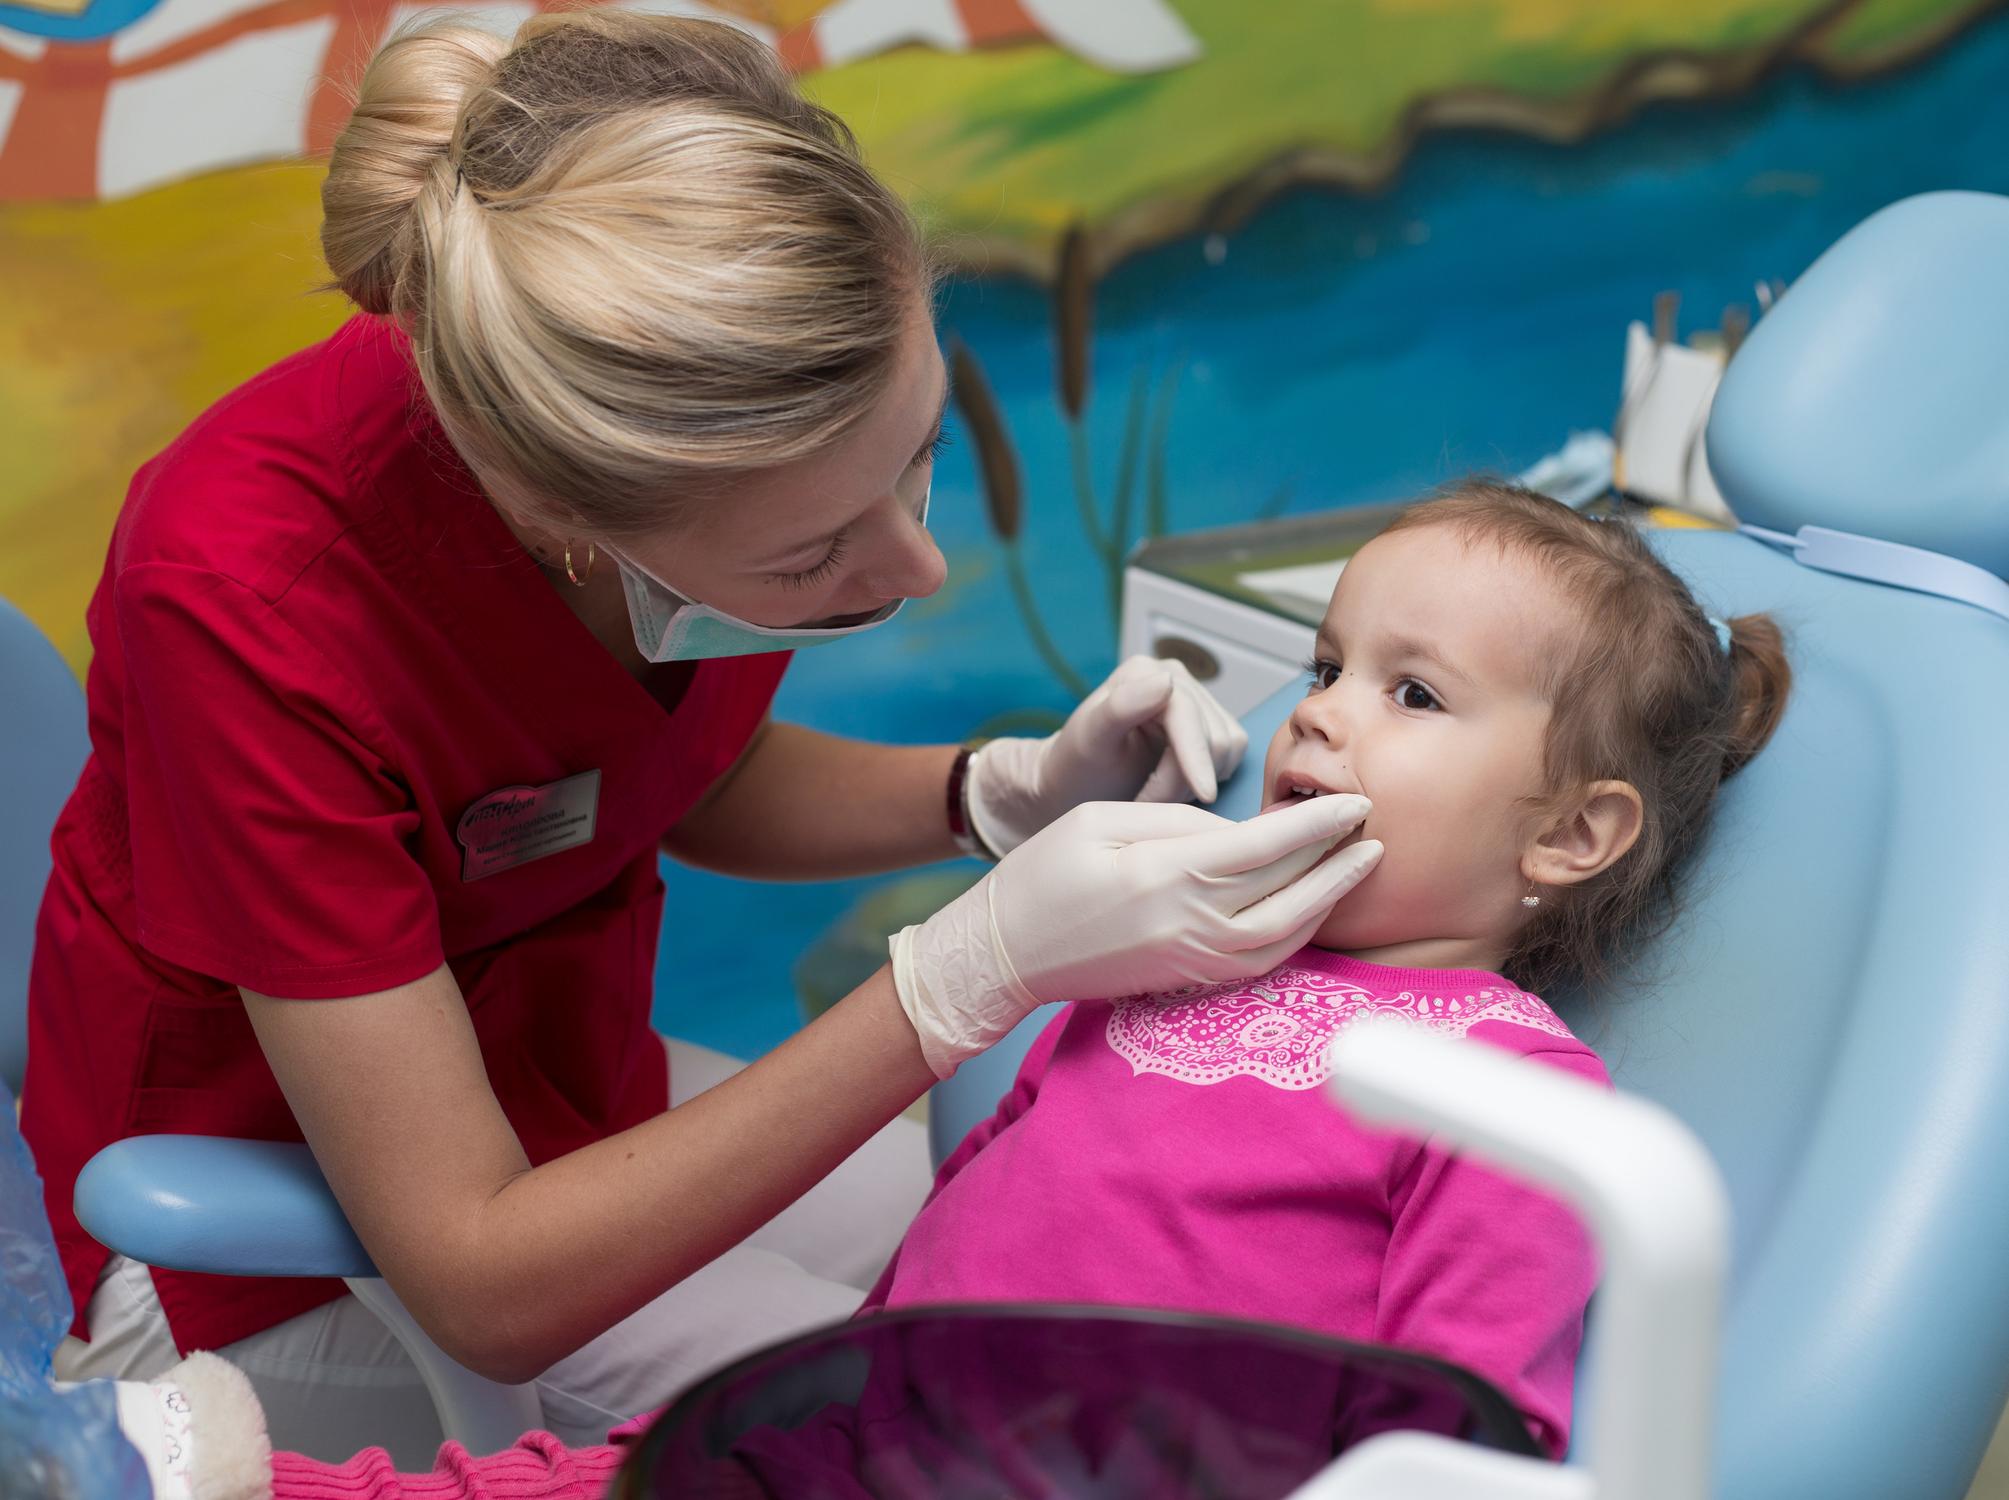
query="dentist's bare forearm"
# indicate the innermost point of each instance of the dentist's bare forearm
(802, 805)
(510, 1268)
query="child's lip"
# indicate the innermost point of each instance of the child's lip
(1283, 792)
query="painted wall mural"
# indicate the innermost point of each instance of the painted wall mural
(1217, 259)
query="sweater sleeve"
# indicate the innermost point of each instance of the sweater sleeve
(1024, 1089)
(1491, 1275)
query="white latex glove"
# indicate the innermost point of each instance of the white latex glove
(1150, 733)
(1124, 898)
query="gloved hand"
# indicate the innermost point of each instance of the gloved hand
(1121, 898)
(1150, 733)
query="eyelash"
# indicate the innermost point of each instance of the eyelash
(810, 577)
(1315, 669)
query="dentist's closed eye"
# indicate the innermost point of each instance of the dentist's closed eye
(811, 576)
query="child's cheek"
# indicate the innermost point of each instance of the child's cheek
(1351, 921)
(1279, 742)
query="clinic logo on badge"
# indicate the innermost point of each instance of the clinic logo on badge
(514, 825)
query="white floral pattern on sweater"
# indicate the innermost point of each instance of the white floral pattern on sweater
(1280, 1028)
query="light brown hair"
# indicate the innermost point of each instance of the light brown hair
(631, 257)
(1643, 692)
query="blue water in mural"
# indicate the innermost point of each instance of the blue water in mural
(1352, 350)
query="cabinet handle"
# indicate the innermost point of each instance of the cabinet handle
(1202, 663)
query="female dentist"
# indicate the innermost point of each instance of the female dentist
(413, 650)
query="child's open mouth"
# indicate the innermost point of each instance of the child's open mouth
(1295, 786)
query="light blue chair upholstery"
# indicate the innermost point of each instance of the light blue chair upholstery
(42, 747)
(1831, 1014)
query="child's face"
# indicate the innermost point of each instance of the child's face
(1426, 701)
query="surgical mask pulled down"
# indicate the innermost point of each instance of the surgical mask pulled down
(670, 626)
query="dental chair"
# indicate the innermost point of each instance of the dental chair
(1830, 1016)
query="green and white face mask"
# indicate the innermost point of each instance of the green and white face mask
(670, 627)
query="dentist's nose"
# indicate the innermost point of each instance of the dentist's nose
(913, 566)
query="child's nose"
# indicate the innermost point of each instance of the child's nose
(1321, 716)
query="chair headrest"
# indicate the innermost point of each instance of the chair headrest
(1871, 398)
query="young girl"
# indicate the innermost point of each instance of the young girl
(1540, 715)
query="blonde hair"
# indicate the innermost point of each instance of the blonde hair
(1643, 692)
(632, 259)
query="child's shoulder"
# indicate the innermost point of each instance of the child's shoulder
(1280, 1026)
(1484, 1006)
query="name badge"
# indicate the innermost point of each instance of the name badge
(513, 825)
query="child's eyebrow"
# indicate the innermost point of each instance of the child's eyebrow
(1398, 647)
(1420, 650)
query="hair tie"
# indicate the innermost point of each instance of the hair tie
(1722, 629)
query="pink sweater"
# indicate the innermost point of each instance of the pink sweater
(1182, 1155)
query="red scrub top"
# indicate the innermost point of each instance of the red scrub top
(320, 655)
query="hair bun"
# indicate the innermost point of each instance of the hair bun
(1760, 679)
(408, 106)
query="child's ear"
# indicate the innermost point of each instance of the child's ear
(1592, 838)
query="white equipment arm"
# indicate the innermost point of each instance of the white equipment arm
(1653, 1199)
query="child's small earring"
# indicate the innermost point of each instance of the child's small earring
(1531, 899)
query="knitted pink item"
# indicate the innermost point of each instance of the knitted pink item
(537, 1467)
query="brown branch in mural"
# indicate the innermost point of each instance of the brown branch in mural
(1073, 311)
(996, 462)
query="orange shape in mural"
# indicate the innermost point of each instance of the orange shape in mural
(780, 14)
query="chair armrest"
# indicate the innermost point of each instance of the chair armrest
(226, 1207)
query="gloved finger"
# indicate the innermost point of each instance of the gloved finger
(1224, 732)
(1185, 768)
(1187, 741)
(1290, 838)
(1113, 824)
(1292, 913)
(1166, 783)
(1137, 692)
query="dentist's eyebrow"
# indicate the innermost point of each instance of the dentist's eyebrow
(810, 547)
(941, 417)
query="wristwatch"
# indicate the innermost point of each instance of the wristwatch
(961, 828)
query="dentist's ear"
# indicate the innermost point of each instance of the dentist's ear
(1590, 838)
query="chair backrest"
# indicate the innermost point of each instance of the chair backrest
(1831, 1015)
(43, 744)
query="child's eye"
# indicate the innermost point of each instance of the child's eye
(1409, 690)
(1323, 674)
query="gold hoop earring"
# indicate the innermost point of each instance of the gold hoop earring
(592, 554)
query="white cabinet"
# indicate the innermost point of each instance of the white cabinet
(1243, 654)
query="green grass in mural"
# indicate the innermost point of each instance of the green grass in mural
(1014, 146)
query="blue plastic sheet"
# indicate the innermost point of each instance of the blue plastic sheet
(54, 1445)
